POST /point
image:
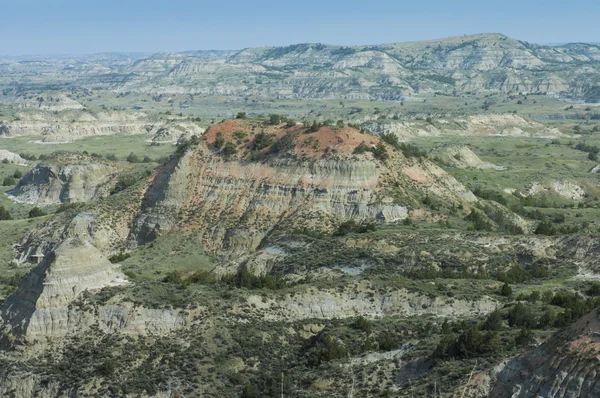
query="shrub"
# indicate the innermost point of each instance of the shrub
(391, 139)
(275, 119)
(9, 181)
(250, 391)
(229, 149)
(119, 257)
(325, 348)
(593, 289)
(240, 135)
(387, 342)
(524, 338)
(4, 214)
(522, 316)
(123, 183)
(362, 323)
(219, 141)
(380, 151)
(493, 322)
(362, 148)
(480, 221)
(147, 159)
(470, 343)
(28, 156)
(67, 206)
(18, 174)
(132, 158)
(515, 274)
(352, 226)
(263, 140)
(36, 212)
(285, 143)
(246, 279)
(111, 156)
(506, 290)
(314, 127)
(241, 115)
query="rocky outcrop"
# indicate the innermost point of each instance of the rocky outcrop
(475, 125)
(234, 203)
(49, 303)
(49, 102)
(11, 157)
(65, 126)
(564, 366)
(173, 133)
(70, 178)
(40, 308)
(318, 304)
(564, 188)
(462, 157)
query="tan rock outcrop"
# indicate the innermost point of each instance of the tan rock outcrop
(75, 179)
(40, 307)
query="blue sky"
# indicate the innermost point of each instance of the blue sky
(88, 26)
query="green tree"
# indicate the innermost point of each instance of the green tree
(362, 323)
(132, 158)
(4, 214)
(521, 315)
(263, 140)
(275, 119)
(506, 290)
(122, 183)
(380, 152)
(493, 322)
(36, 212)
(362, 148)
(241, 115)
(9, 181)
(18, 174)
(315, 127)
(229, 149)
(524, 338)
(219, 141)
(250, 391)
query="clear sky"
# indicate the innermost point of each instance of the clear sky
(88, 26)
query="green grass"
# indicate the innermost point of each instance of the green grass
(175, 251)
(17, 210)
(119, 145)
(526, 159)
(11, 233)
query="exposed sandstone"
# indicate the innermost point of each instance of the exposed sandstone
(74, 179)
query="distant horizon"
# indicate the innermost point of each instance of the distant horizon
(141, 54)
(40, 27)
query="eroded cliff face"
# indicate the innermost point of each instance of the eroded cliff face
(49, 305)
(564, 366)
(76, 179)
(323, 304)
(67, 125)
(229, 199)
(39, 309)
(10, 157)
(234, 203)
(476, 125)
